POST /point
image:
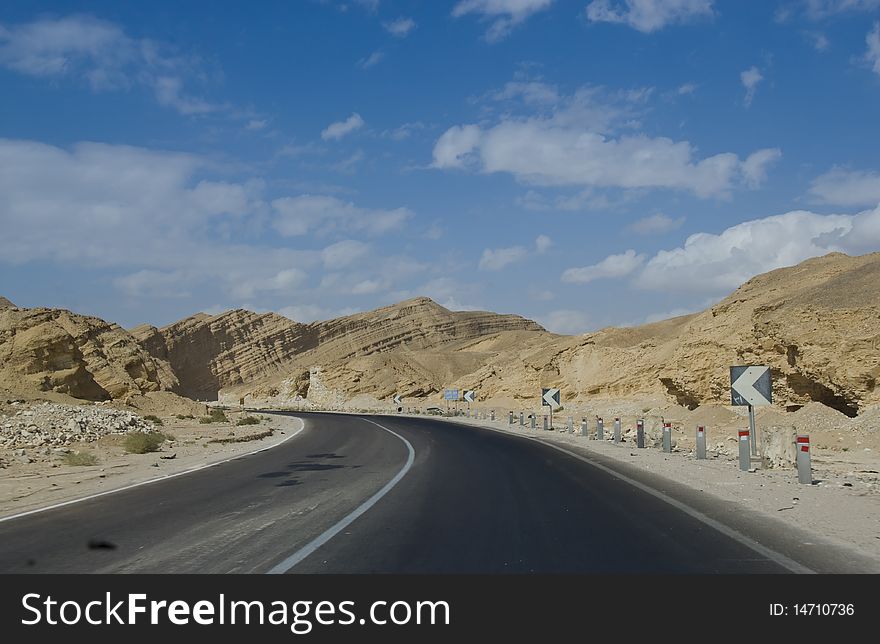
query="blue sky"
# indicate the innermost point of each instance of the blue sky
(583, 163)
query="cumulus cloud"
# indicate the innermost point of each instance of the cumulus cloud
(656, 224)
(843, 187)
(164, 229)
(613, 266)
(750, 79)
(497, 258)
(718, 263)
(565, 321)
(585, 142)
(503, 14)
(322, 214)
(754, 168)
(400, 28)
(648, 15)
(339, 129)
(102, 55)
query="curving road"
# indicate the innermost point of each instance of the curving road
(356, 494)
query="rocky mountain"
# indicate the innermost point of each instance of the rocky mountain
(84, 357)
(817, 325)
(6, 304)
(210, 353)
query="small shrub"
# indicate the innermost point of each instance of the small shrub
(216, 416)
(184, 417)
(248, 420)
(154, 419)
(80, 458)
(142, 443)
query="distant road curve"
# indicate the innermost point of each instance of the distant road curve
(363, 494)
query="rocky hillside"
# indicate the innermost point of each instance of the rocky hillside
(210, 353)
(84, 357)
(6, 304)
(817, 325)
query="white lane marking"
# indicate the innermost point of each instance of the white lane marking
(329, 533)
(727, 531)
(155, 480)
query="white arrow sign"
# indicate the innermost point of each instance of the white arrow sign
(396, 399)
(550, 398)
(470, 396)
(750, 386)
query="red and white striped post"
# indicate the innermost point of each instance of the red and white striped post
(744, 452)
(804, 468)
(667, 437)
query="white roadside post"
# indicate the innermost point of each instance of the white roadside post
(744, 455)
(546, 424)
(667, 437)
(569, 425)
(701, 443)
(600, 429)
(804, 467)
(617, 431)
(584, 429)
(493, 414)
(640, 433)
(510, 418)
(533, 421)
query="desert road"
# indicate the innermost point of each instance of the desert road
(385, 494)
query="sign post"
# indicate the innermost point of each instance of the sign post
(751, 386)
(550, 398)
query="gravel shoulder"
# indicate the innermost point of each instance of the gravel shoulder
(833, 510)
(46, 480)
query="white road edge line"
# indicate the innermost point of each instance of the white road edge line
(155, 480)
(329, 533)
(727, 531)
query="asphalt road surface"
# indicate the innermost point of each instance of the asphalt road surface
(354, 494)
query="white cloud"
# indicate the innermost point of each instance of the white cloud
(648, 15)
(531, 92)
(563, 150)
(370, 61)
(339, 129)
(611, 267)
(686, 89)
(401, 27)
(714, 264)
(656, 224)
(344, 253)
(843, 187)
(104, 56)
(542, 244)
(146, 214)
(256, 124)
(566, 322)
(322, 214)
(754, 168)
(504, 14)
(497, 258)
(750, 79)
(872, 56)
(453, 146)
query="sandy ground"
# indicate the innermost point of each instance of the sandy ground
(25, 487)
(838, 506)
